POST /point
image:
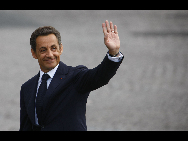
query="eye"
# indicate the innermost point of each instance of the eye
(54, 48)
(42, 50)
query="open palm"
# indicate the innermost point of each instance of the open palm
(111, 38)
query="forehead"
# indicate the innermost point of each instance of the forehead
(45, 41)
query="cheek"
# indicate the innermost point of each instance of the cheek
(57, 55)
(41, 57)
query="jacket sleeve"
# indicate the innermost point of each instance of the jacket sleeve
(25, 123)
(92, 79)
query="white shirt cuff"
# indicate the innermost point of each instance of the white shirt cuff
(115, 59)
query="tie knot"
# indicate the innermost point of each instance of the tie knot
(45, 77)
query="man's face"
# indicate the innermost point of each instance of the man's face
(47, 52)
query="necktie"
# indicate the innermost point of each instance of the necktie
(40, 95)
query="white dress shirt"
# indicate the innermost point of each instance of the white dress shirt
(53, 71)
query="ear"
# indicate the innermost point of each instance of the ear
(34, 54)
(61, 48)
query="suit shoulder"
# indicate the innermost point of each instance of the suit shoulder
(30, 81)
(81, 67)
(77, 68)
(76, 71)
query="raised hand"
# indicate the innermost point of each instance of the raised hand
(111, 38)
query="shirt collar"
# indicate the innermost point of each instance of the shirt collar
(50, 73)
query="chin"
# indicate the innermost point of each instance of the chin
(49, 66)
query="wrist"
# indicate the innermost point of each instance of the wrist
(113, 53)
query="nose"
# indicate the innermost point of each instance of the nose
(49, 53)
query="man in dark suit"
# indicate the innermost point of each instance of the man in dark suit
(55, 99)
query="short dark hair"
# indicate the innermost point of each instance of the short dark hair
(43, 31)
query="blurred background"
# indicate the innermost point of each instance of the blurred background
(150, 89)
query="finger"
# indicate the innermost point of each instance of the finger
(108, 27)
(111, 26)
(104, 28)
(115, 29)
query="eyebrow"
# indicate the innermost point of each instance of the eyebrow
(42, 47)
(50, 46)
(53, 45)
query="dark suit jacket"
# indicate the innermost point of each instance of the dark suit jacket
(64, 105)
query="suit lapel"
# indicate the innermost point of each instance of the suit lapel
(59, 76)
(31, 93)
(58, 79)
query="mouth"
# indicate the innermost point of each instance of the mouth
(49, 60)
